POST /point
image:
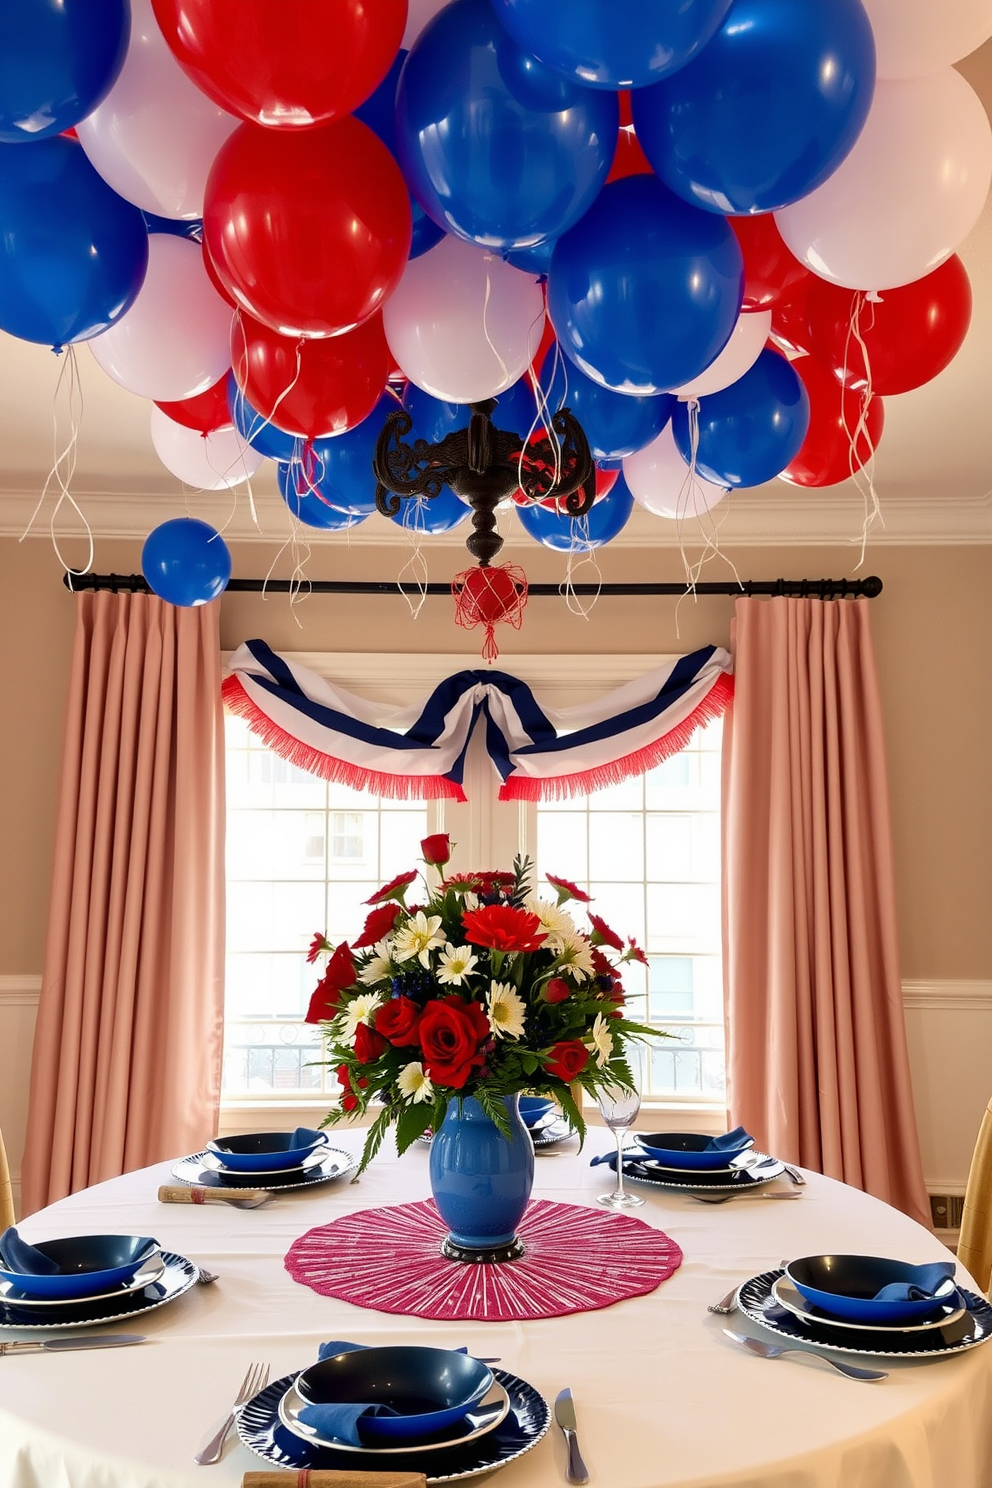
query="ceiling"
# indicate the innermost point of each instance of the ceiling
(933, 470)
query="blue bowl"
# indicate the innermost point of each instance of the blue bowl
(87, 1264)
(686, 1150)
(430, 1388)
(844, 1286)
(263, 1152)
(533, 1108)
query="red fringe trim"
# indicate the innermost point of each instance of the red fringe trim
(561, 787)
(328, 766)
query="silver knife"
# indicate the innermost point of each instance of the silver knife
(575, 1472)
(60, 1345)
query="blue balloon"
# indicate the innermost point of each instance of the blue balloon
(624, 44)
(58, 59)
(341, 468)
(496, 147)
(768, 110)
(73, 253)
(614, 424)
(536, 260)
(304, 502)
(177, 227)
(434, 419)
(186, 562)
(645, 291)
(439, 514)
(270, 441)
(580, 534)
(751, 430)
(379, 113)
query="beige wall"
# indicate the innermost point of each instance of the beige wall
(930, 625)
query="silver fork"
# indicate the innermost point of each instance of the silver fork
(256, 1379)
(776, 1350)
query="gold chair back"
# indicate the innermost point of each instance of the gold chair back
(975, 1244)
(6, 1192)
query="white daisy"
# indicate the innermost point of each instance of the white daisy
(359, 1010)
(602, 1040)
(575, 956)
(418, 937)
(556, 923)
(414, 1086)
(506, 1011)
(455, 964)
(379, 967)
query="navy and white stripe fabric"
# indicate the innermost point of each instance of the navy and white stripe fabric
(418, 752)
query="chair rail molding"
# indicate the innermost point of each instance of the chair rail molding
(948, 996)
(20, 990)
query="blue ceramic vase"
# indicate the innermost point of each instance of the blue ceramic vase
(481, 1180)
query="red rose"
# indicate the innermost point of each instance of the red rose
(568, 1059)
(368, 1044)
(503, 928)
(399, 1021)
(394, 889)
(556, 990)
(436, 850)
(566, 889)
(450, 1034)
(602, 934)
(378, 925)
(326, 999)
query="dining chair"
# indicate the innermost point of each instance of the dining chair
(975, 1244)
(6, 1192)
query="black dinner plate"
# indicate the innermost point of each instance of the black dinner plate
(757, 1302)
(528, 1419)
(764, 1170)
(334, 1164)
(179, 1275)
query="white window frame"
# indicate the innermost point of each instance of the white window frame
(486, 837)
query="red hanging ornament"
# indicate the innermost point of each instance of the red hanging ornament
(490, 596)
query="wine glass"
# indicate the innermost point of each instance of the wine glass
(618, 1108)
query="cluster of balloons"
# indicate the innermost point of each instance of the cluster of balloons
(719, 231)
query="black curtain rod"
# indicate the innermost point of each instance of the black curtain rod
(868, 588)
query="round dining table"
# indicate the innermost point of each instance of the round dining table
(663, 1398)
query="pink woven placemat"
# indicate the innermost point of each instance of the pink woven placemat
(576, 1260)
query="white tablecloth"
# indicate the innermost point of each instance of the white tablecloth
(663, 1399)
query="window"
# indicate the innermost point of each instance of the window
(303, 855)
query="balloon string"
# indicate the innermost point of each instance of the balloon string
(415, 568)
(545, 414)
(708, 526)
(862, 472)
(260, 422)
(575, 602)
(300, 587)
(68, 390)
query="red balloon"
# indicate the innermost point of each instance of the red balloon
(287, 64)
(605, 481)
(629, 159)
(214, 280)
(769, 268)
(790, 317)
(834, 446)
(205, 411)
(309, 232)
(307, 388)
(910, 334)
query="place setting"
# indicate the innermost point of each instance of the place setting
(862, 1304)
(85, 1280)
(273, 1160)
(439, 1412)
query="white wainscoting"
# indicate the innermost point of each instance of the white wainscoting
(948, 1025)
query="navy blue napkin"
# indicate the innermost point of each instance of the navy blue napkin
(731, 1142)
(18, 1255)
(926, 1280)
(305, 1136)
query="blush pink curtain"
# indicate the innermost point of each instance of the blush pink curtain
(817, 1066)
(127, 1052)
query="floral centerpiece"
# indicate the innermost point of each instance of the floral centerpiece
(485, 990)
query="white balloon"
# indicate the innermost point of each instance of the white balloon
(208, 462)
(462, 324)
(420, 12)
(155, 135)
(740, 353)
(916, 37)
(908, 194)
(660, 481)
(175, 339)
